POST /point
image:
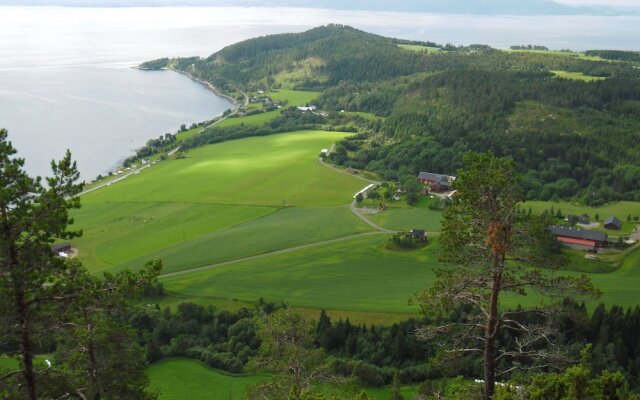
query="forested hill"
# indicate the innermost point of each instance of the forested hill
(571, 120)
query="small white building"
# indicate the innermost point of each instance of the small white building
(305, 109)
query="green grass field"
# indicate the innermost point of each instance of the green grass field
(417, 47)
(279, 230)
(118, 232)
(399, 217)
(353, 275)
(575, 54)
(214, 189)
(577, 76)
(293, 97)
(259, 171)
(186, 379)
(359, 275)
(12, 364)
(252, 120)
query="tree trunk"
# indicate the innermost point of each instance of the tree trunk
(491, 333)
(27, 346)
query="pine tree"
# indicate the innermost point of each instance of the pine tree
(482, 236)
(32, 278)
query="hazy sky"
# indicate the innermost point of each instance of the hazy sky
(630, 3)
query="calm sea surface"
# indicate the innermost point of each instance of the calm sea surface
(66, 79)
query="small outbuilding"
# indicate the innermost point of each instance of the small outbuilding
(584, 219)
(612, 223)
(64, 248)
(418, 234)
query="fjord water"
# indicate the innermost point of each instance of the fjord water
(66, 79)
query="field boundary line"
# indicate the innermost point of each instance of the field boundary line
(268, 254)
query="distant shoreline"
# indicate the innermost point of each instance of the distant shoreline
(208, 85)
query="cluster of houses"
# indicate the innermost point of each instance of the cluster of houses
(437, 183)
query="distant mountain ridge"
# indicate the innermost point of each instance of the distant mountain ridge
(476, 7)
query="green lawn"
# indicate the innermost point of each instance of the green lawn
(260, 171)
(403, 219)
(282, 229)
(186, 379)
(354, 275)
(577, 76)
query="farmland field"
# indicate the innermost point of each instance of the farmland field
(353, 275)
(279, 230)
(579, 76)
(213, 189)
(275, 170)
(255, 119)
(404, 219)
(182, 379)
(417, 47)
(293, 97)
(359, 275)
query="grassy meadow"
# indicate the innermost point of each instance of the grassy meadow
(182, 379)
(254, 120)
(578, 76)
(351, 275)
(293, 97)
(213, 189)
(273, 171)
(401, 217)
(279, 230)
(420, 48)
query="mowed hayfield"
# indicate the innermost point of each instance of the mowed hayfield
(184, 379)
(350, 275)
(282, 229)
(293, 97)
(273, 171)
(214, 188)
(577, 76)
(359, 275)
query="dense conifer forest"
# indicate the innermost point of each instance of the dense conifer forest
(572, 139)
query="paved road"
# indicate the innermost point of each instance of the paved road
(272, 253)
(116, 180)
